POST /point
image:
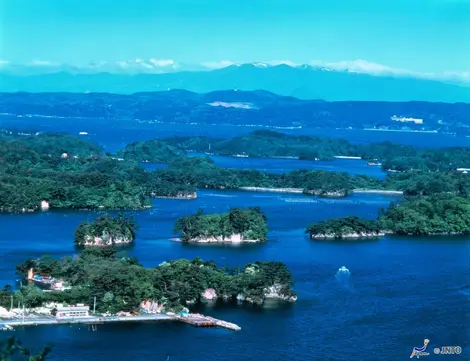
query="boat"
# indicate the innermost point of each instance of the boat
(83, 133)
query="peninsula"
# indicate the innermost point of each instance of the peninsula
(237, 226)
(122, 284)
(439, 214)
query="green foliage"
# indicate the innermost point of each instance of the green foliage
(266, 144)
(249, 223)
(33, 169)
(271, 144)
(342, 227)
(154, 151)
(12, 349)
(438, 214)
(108, 228)
(122, 284)
(201, 172)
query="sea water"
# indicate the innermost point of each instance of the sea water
(405, 289)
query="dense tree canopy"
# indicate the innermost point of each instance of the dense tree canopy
(438, 214)
(268, 144)
(13, 349)
(122, 283)
(344, 227)
(249, 223)
(109, 229)
(154, 151)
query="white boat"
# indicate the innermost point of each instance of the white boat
(83, 133)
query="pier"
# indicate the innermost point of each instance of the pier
(196, 320)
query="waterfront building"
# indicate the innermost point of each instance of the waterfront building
(72, 311)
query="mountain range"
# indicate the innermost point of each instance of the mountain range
(240, 108)
(303, 82)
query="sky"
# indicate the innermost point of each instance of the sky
(425, 36)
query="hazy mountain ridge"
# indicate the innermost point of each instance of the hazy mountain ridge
(305, 82)
(253, 108)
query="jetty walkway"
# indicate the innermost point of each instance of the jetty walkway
(194, 320)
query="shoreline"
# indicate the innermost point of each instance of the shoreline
(191, 319)
(216, 241)
(301, 191)
(349, 236)
(376, 191)
(273, 190)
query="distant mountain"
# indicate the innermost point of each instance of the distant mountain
(304, 82)
(241, 108)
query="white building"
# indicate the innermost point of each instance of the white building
(405, 119)
(72, 311)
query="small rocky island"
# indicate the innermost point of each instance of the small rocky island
(237, 226)
(345, 228)
(106, 231)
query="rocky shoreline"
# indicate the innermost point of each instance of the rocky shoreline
(354, 235)
(314, 192)
(377, 191)
(104, 241)
(233, 239)
(188, 196)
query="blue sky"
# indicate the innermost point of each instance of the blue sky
(418, 35)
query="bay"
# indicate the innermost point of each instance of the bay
(402, 290)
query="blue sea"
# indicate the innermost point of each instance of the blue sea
(401, 290)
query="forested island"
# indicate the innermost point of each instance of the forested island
(122, 284)
(272, 144)
(350, 227)
(153, 151)
(236, 226)
(267, 144)
(106, 231)
(62, 171)
(439, 214)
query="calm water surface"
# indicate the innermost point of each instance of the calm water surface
(401, 290)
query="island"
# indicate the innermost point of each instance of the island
(267, 144)
(350, 227)
(57, 171)
(122, 284)
(272, 144)
(440, 214)
(236, 226)
(151, 151)
(106, 231)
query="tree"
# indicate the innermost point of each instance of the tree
(12, 349)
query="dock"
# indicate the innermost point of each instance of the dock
(199, 320)
(196, 320)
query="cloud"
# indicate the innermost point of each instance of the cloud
(367, 67)
(218, 64)
(158, 66)
(45, 63)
